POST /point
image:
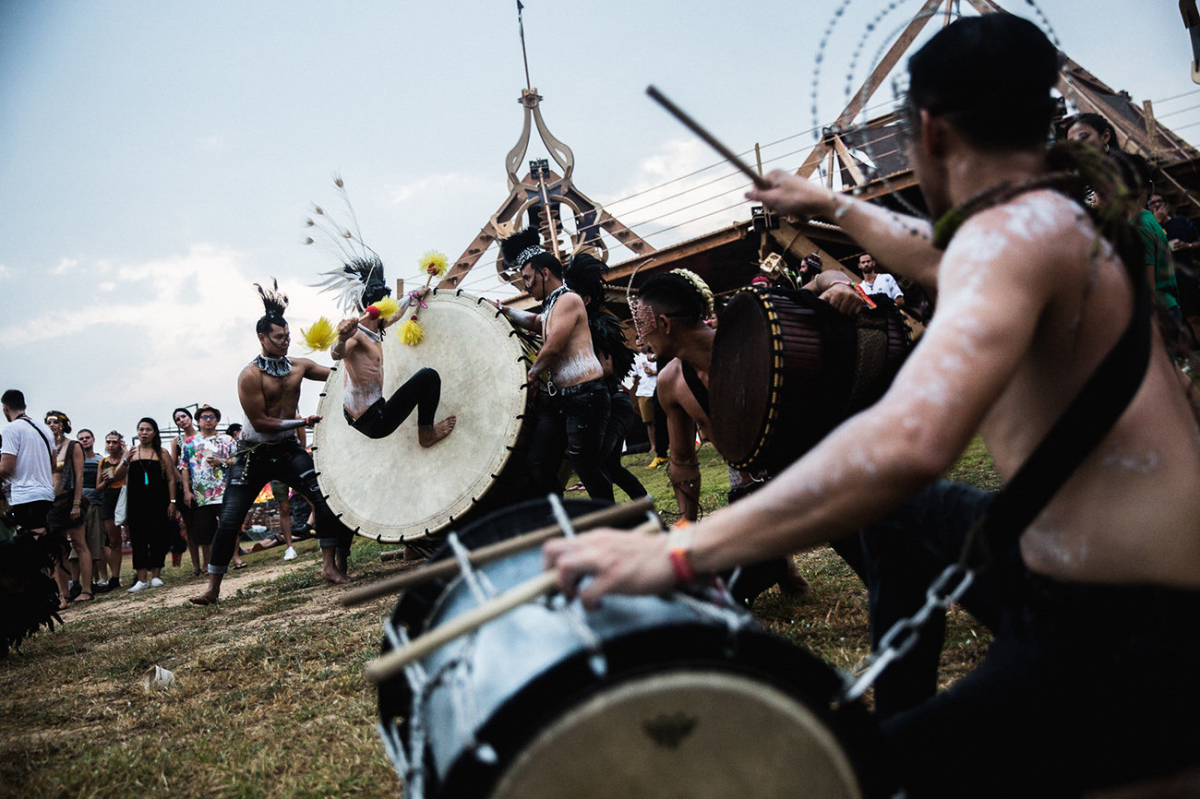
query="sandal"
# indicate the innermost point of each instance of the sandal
(240, 565)
(196, 572)
(90, 597)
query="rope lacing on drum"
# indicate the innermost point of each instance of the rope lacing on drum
(481, 587)
(720, 608)
(414, 777)
(573, 611)
(463, 699)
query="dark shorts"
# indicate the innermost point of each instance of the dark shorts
(31, 515)
(204, 523)
(111, 495)
(280, 490)
(59, 517)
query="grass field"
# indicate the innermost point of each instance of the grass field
(271, 700)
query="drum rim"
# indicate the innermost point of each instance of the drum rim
(765, 300)
(481, 489)
(851, 725)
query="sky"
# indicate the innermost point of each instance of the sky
(158, 159)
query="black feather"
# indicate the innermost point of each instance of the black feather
(517, 243)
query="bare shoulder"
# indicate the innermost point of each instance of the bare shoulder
(250, 376)
(571, 302)
(669, 379)
(303, 364)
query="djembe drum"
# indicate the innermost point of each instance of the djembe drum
(787, 368)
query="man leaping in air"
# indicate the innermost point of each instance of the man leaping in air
(360, 345)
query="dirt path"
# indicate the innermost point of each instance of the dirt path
(179, 589)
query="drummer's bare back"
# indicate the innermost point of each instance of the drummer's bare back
(262, 395)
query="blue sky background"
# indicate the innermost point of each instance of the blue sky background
(156, 159)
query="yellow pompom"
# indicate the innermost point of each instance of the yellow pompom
(387, 306)
(320, 336)
(411, 333)
(434, 263)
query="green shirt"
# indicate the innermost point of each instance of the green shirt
(1157, 253)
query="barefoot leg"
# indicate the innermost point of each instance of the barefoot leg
(428, 436)
(329, 569)
(213, 593)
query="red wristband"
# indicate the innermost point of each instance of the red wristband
(679, 543)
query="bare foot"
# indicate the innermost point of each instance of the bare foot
(331, 576)
(428, 436)
(209, 597)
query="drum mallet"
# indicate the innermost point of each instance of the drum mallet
(695, 127)
(388, 666)
(449, 567)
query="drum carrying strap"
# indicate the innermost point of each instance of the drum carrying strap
(1085, 422)
(699, 390)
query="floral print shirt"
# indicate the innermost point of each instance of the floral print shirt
(208, 482)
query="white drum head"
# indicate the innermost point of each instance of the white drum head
(392, 488)
(699, 735)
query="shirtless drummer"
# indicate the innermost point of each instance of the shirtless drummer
(576, 414)
(360, 345)
(269, 391)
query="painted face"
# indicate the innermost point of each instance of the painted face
(112, 444)
(145, 433)
(534, 282)
(183, 419)
(276, 343)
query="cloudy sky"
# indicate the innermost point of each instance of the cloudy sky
(156, 159)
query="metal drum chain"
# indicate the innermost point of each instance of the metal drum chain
(947, 589)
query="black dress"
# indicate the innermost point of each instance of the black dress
(146, 503)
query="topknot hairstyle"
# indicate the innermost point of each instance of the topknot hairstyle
(525, 247)
(991, 76)
(358, 283)
(275, 302)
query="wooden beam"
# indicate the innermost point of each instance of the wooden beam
(873, 81)
(1151, 128)
(848, 160)
(793, 239)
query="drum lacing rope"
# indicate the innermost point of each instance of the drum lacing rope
(481, 587)
(733, 617)
(414, 778)
(573, 611)
(463, 700)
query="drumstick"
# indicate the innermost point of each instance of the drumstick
(726, 153)
(449, 567)
(387, 666)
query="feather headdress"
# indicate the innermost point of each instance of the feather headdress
(520, 247)
(359, 281)
(275, 302)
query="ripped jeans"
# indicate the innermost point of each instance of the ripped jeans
(254, 466)
(575, 419)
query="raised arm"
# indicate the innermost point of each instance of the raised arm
(903, 243)
(405, 304)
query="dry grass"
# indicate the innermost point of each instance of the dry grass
(271, 699)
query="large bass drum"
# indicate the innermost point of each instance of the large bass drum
(645, 697)
(392, 489)
(787, 368)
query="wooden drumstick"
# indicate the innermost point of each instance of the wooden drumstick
(387, 666)
(712, 141)
(449, 567)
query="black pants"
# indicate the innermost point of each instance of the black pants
(1084, 685)
(620, 419)
(661, 433)
(574, 421)
(254, 466)
(421, 391)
